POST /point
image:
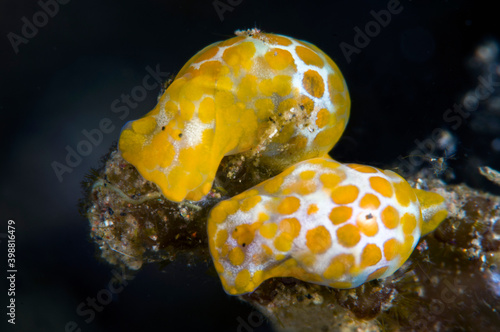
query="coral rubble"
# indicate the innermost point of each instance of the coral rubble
(451, 280)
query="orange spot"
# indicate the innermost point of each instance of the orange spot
(289, 205)
(279, 84)
(223, 209)
(249, 203)
(409, 223)
(313, 208)
(381, 186)
(217, 215)
(309, 57)
(330, 180)
(371, 255)
(273, 185)
(221, 238)
(362, 168)
(279, 59)
(264, 108)
(335, 83)
(340, 214)
(339, 265)
(262, 217)
(369, 201)
(206, 110)
(242, 280)
(367, 223)
(290, 226)
(307, 104)
(239, 57)
(268, 230)
(279, 257)
(223, 83)
(297, 143)
(279, 40)
(330, 135)
(257, 277)
(210, 68)
(206, 54)
(307, 175)
(247, 89)
(322, 118)
(313, 83)
(345, 194)
(377, 273)
(312, 47)
(404, 193)
(348, 235)
(336, 131)
(282, 85)
(302, 188)
(236, 256)
(224, 250)
(390, 217)
(332, 164)
(390, 249)
(318, 240)
(283, 242)
(267, 251)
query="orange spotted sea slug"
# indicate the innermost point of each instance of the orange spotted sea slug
(282, 97)
(285, 101)
(322, 222)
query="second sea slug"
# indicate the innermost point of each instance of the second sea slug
(322, 222)
(279, 96)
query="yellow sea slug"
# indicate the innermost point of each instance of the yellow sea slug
(282, 97)
(322, 222)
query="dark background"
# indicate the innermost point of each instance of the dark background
(66, 77)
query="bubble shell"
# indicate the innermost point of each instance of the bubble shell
(322, 222)
(275, 96)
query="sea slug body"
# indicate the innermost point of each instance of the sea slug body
(322, 222)
(280, 96)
